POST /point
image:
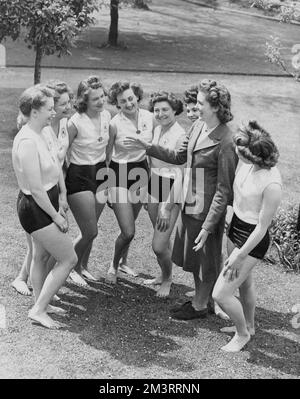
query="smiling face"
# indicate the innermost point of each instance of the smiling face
(45, 114)
(62, 106)
(164, 113)
(128, 102)
(96, 100)
(206, 111)
(192, 112)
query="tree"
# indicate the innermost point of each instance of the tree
(50, 26)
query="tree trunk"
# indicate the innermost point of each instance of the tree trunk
(38, 65)
(114, 20)
(298, 221)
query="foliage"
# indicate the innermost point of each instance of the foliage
(286, 238)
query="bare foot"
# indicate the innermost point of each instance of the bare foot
(56, 310)
(164, 289)
(77, 279)
(153, 281)
(232, 329)
(126, 269)
(237, 343)
(43, 319)
(56, 298)
(21, 287)
(86, 274)
(112, 274)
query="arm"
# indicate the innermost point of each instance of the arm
(110, 144)
(270, 202)
(63, 204)
(72, 132)
(177, 157)
(30, 163)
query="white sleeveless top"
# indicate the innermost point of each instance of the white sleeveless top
(170, 139)
(61, 141)
(48, 161)
(248, 188)
(89, 146)
(125, 128)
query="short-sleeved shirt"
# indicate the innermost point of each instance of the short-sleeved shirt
(89, 146)
(48, 161)
(171, 139)
(248, 188)
(125, 128)
(61, 141)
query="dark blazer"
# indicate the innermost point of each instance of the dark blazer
(209, 173)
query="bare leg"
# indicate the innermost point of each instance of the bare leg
(20, 282)
(49, 240)
(202, 293)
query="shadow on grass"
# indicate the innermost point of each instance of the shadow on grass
(131, 324)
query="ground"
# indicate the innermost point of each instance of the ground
(125, 332)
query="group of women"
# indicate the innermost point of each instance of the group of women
(144, 157)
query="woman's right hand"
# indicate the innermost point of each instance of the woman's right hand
(163, 219)
(132, 143)
(61, 222)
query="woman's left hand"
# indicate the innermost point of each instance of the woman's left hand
(233, 264)
(63, 204)
(200, 240)
(132, 143)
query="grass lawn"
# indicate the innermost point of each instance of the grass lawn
(125, 332)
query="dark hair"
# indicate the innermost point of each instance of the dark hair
(34, 97)
(83, 91)
(60, 88)
(255, 144)
(119, 88)
(190, 95)
(217, 96)
(169, 97)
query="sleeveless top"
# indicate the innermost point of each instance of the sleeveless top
(48, 161)
(61, 141)
(248, 188)
(89, 146)
(125, 128)
(170, 139)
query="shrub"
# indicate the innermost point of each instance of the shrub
(286, 238)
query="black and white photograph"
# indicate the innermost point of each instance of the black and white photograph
(149, 192)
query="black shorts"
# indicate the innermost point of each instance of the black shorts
(31, 216)
(159, 187)
(130, 175)
(239, 231)
(85, 177)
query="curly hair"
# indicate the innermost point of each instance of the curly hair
(190, 95)
(119, 87)
(217, 96)
(34, 97)
(256, 145)
(60, 88)
(174, 102)
(83, 91)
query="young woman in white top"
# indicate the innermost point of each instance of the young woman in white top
(39, 177)
(129, 169)
(257, 195)
(57, 139)
(88, 132)
(168, 134)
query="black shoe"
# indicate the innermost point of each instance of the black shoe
(211, 307)
(179, 306)
(188, 312)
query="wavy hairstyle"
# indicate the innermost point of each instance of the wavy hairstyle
(256, 145)
(84, 88)
(174, 102)
(34, 97)
(217, 96)
(59, 88)
(119, 87)
(190, 95)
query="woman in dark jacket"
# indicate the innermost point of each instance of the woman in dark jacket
(206, 192)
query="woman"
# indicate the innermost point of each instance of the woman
(257, 195)
(190, 101)
(88, 138)
(56, 136)
(39, 174)
(168, 134)
(129, 168)
(207, 190)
